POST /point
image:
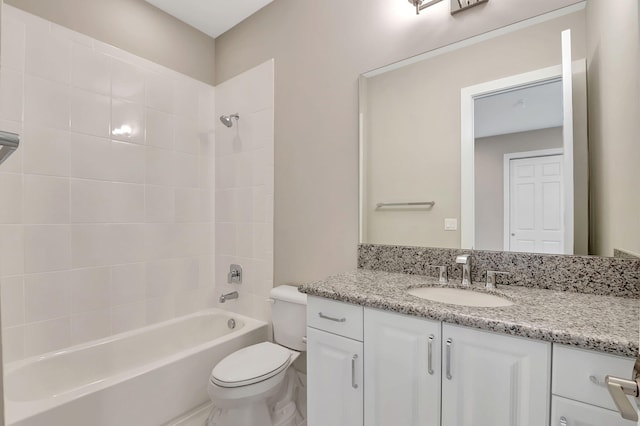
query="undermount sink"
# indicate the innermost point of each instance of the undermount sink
(459, 296)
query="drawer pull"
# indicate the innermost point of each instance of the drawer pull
(563, 421)
(353, 371)
(430, 354)
(449, 343)
(323, 316)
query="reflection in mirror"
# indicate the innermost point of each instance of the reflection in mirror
(411, 140)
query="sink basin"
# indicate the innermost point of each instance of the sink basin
(459, 296)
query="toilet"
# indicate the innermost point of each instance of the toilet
(249, 386)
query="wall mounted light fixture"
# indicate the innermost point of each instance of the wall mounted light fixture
(460, 5)
(421, 4)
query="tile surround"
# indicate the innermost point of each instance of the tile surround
(99, 233)
(583, 274)
(244, 189)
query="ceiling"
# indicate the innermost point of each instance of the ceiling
(212, 17)
(520, 110)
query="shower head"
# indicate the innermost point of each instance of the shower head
(226, 119)
(8, 143)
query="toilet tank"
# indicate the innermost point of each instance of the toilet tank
(289, 316)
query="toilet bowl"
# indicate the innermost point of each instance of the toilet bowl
(248, 385)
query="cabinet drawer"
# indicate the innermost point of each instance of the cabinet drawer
(339, 318)
(566, 412)
(579, 374)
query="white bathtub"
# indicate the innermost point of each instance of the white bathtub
(143, 377)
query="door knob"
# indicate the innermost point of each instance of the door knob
(620, 388)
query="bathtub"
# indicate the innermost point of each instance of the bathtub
(143, 377)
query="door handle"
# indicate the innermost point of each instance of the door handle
(448, 350)
(619, 389)
(353, 371)
(430, 354)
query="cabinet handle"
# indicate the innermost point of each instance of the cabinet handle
(430, 354)
(563, 421)
(323, 316)
(449, 342)
(353, 371)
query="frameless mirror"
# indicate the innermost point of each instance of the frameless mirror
(469, 145)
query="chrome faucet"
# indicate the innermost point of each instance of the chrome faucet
(229, 296)
(465, 261)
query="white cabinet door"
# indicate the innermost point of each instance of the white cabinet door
(567, 412)
(402, 370)
(492, 379)
(334, 380)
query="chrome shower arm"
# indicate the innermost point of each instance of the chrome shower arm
(8, 143)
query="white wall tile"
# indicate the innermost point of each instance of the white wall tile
(90, 157)
(90, 326)
(225, 239)
(127, 81)
(90, 245)
(187, 203)
(12, 343)
(128, 317)
(90, 113)
(11, 188)
(243, 205)
(90, 70)
(12, 298)
(160, 166)
(46, 248)
(47, 296)
(85, 211)
(186, 167)
(128, 283)
(127, 162)
(46, 103)
(46, 199)
(13, 39)
(160, 128)
(159, 92)
(46, 151)
(11, 250)
(90, 289)
(90, 201)
(127, 242)
(131, 115)
(160, 204)
(47, 55)
(127, 203)
(11, 94)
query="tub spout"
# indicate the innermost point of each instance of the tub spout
(229, 296)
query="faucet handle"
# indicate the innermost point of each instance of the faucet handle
(491, 278)
(463, 258)
(443, 273)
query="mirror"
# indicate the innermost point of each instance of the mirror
(412, 172)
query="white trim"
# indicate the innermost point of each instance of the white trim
(506, 189)
(467, 139)
(567, 140)
(479, 38)
(361, 172)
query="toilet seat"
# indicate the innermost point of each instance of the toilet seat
(251, 365)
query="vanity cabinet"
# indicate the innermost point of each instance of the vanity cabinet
(468, 378)
(494, 379)
(334, 363)
(580, 395)
(402, 370)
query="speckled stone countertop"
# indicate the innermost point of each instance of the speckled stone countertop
(603, 323)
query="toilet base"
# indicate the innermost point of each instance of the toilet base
(279, 409)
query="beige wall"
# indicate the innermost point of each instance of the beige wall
(614, 127)
(489, 179)
(412, 127)
(320, 48)
(134, 26)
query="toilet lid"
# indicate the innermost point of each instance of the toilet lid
(250, 365)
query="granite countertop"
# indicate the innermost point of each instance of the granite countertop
(603, 323)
